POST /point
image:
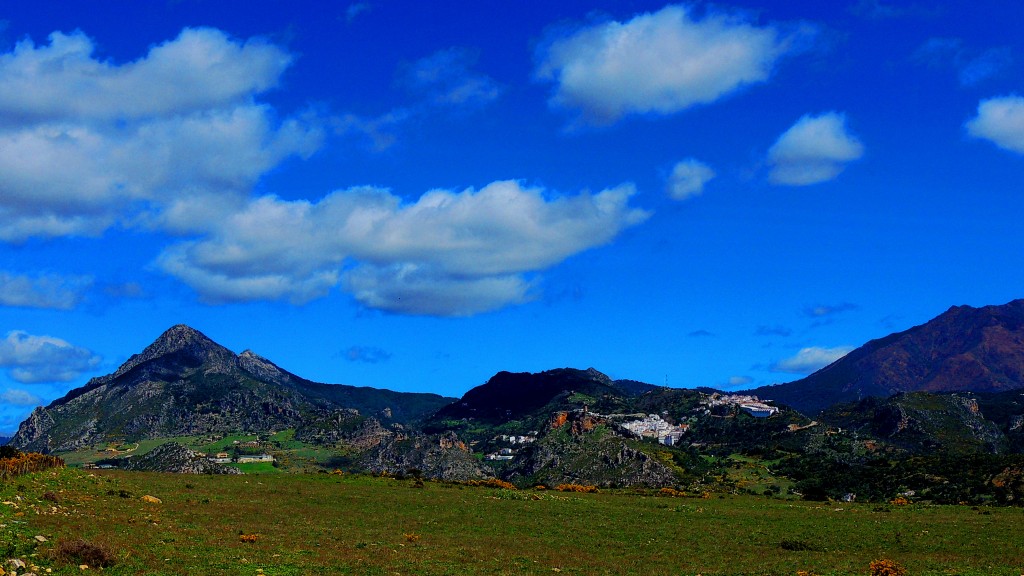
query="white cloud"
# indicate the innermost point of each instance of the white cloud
(31, 359)
(815, 149)
(811, 359)
(48, 291)
(424, 291)
(688, 179)
(19, 398)
(448, 253)
(1001, 121)
(86, 144)
(201, 69)
(447, 78)
(660, 62)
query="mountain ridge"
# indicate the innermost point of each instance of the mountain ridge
(963, 349)
(185, 383)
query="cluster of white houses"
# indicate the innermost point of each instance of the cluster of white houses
(654, 426)
(510, 453)
(751, 404)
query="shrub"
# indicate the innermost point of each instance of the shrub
(82, 552)
(887, 568)
(27, 462)
(899, 501)
(491, 483)
(577, 488)
(670, 492)
(249, 538)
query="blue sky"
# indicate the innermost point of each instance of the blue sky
(417, 195)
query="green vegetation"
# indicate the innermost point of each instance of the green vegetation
(341, 524)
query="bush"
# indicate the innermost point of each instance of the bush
(577, 488)
(81, 552)
(887, 568)
(491, 483)
(27, 462)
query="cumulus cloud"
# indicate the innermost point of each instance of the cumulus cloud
(447, 78)
(199, 70)
(19, 398)
(31, 359)
(86, 144)
(423, 290)
(660, 62)
(47, 291)
(811, 359)
(815, 149)
(688, 179)
(448, 253)
(1001, 121)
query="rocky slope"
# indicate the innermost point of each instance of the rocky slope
(927, 423)
(173, 457)
(580, 448)
(438, 457)
(186, 384)
(964, 349)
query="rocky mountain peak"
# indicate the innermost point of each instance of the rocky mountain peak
(261, 367)
(180, 340)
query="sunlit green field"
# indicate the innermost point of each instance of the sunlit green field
(333, 524)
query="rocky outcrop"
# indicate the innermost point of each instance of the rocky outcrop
(173, 457)
(584, 448)
(346, 427)
(438, 457)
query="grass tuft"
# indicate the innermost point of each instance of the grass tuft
(82, 552)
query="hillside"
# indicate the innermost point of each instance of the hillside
(964, 349)
(186, 384)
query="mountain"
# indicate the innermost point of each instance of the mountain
(186, 384)
(965, 349)
(515, 396)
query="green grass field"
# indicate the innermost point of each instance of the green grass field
(332, 524)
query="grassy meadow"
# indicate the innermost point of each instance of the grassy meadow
(342, 524)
